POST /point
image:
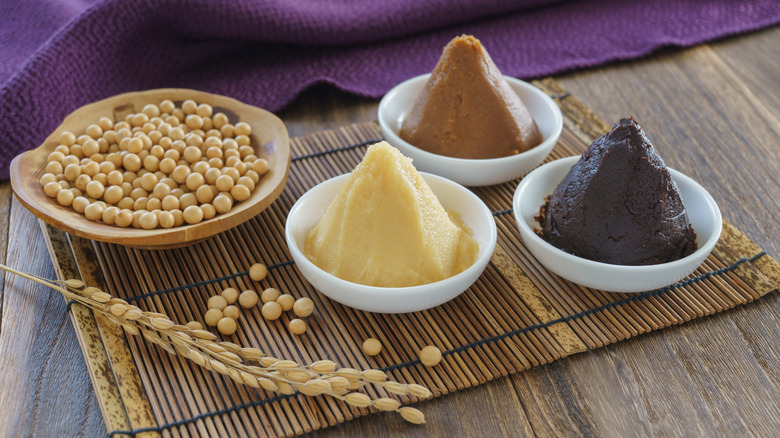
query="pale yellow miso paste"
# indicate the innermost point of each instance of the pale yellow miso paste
(386, 227)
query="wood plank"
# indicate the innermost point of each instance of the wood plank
(756, 65)
(5, 216)
(713, 364)
(90, 340)
(553, 403)
(44, 387)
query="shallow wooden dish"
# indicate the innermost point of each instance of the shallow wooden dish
(269, 139)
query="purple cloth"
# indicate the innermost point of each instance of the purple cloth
(58, 55)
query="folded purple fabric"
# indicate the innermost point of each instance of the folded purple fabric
(57, 55)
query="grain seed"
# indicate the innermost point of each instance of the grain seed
(412, 415)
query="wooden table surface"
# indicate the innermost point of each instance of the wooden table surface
(712, 112)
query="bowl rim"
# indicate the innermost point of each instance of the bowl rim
(398, 292)
(705, 246)
(384, 122)
(159, 238)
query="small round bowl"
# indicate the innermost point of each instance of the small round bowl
(310, 208)
(530, 195)
(396, 104)
(269, 139)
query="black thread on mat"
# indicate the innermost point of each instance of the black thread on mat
(502, 212)
(588, 312)
(561, 96)
(202, 283)
(462, 348)
(339, 149)
(202, 416)
(69, 304)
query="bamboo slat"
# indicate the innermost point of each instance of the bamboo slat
(516, 316)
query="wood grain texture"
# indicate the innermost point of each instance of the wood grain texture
(669, 383)
(5, 216)
(90, 339)
(44, 387)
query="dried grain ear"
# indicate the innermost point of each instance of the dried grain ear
(277, 375)
(412, 415)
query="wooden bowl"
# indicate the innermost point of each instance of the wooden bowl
(269, 139)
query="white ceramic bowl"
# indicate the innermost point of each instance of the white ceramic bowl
(396, 104)
(703, 215)
(310, 208)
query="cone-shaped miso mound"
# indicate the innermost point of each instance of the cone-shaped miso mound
(387, 228)
(468, 110)
(618, 204)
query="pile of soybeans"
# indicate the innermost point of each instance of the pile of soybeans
(163, 167)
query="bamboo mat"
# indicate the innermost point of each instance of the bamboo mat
(516, 316)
